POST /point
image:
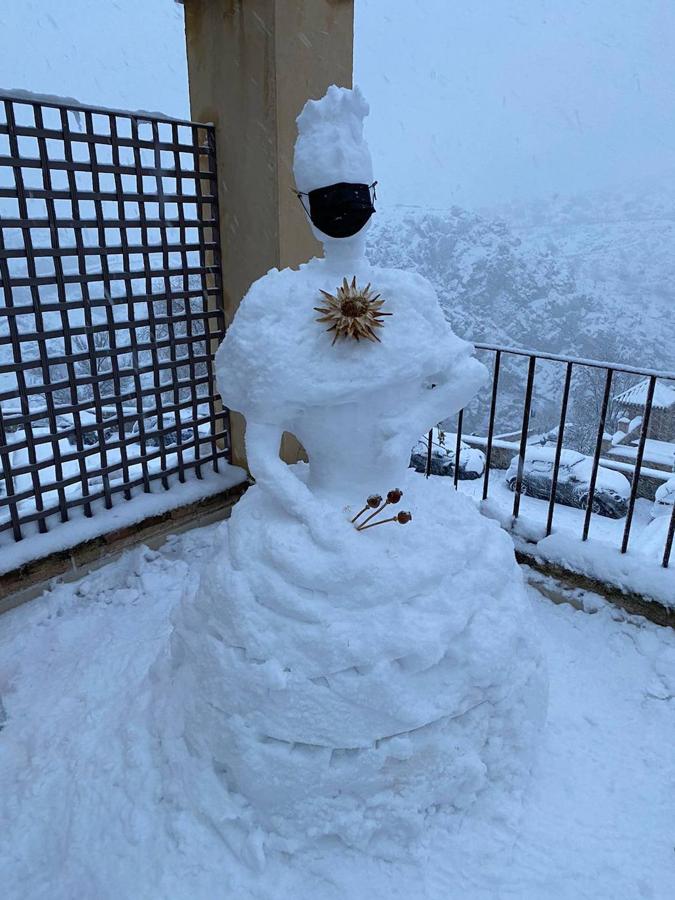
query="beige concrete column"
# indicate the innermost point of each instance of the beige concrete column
(252, 64)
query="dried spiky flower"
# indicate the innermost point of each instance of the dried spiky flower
(353, 312)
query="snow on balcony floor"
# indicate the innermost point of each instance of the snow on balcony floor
(565, 518)
(82, 812)
(639, 570)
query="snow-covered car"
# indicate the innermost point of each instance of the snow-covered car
(664, 499)
(443, 444)
(612, 489)
(89, 428)
(169, 428)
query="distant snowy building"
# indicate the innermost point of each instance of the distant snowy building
(659, 451)
(662, 419)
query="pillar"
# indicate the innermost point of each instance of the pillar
(252, 64)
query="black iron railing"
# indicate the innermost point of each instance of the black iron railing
(110, 308)
(597, 401)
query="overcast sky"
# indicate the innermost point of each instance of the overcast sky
(483, 101)
(472, 102)
(121, 53)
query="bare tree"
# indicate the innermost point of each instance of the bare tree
(587, 398)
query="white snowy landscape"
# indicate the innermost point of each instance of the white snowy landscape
(350, 690)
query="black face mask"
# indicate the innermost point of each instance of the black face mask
(340, 210)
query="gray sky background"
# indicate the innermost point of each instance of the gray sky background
(472, 103)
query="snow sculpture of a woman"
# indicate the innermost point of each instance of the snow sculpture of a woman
(346, 682)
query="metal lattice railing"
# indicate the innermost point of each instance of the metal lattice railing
(110, 309)
(595, 398)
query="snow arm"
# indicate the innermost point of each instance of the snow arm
(279, 480)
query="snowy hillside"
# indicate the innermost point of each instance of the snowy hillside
(619, 249)
(491, 289)
(592, 277)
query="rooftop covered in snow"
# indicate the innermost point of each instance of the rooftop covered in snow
(664, 395)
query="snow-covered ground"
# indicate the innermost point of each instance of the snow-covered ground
(84, 811)
(639, 570)
(565, 518)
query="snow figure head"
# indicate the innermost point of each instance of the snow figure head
(331, 150)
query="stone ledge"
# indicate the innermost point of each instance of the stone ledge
(28, 581)
(635, 604)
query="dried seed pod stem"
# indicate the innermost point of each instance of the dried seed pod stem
(402, 518)
(359, 514)
(392, 497)
(373, 524)
(371, 503)
(372, 515)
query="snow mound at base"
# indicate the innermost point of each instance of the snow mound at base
(410, 680)
(652, 541)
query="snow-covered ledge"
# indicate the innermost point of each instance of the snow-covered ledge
(81, 541)
(636, 582)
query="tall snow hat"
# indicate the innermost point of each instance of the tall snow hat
(330, 147)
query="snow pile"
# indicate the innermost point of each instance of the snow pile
(345, 683)
(652, 540)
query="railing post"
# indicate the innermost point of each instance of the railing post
(491, 424)
(596, 454)
(559, 446)
(458, 446)
(252, 65)
(644, 431)
(523, 433)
